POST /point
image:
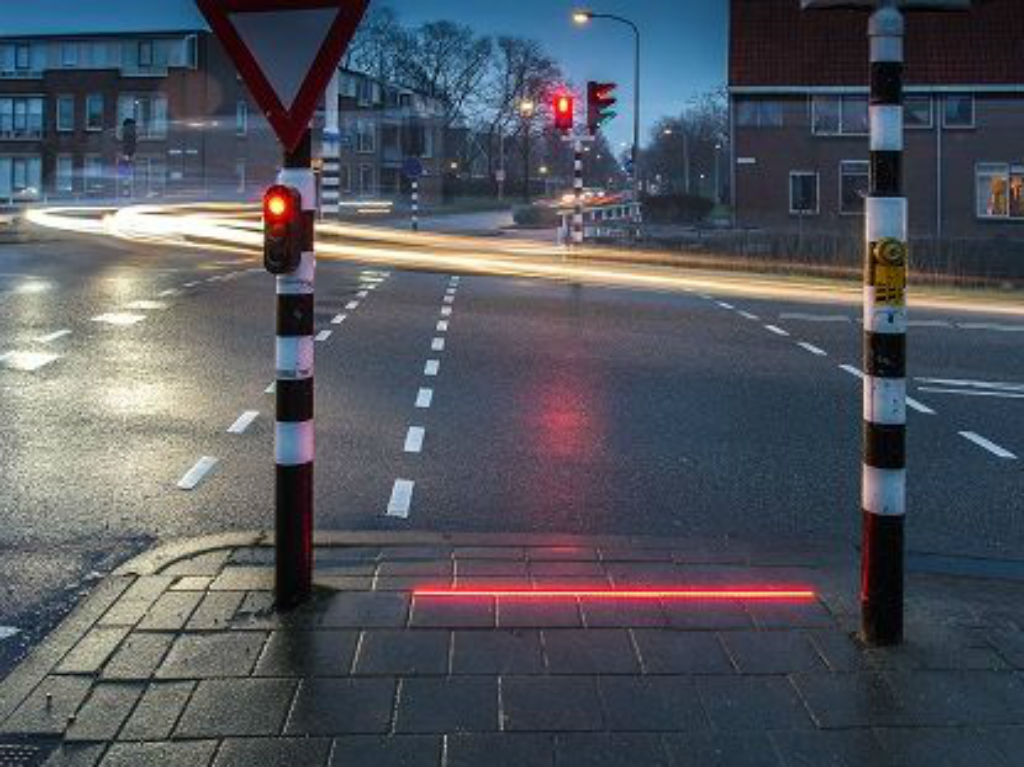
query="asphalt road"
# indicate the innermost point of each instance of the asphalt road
(553, 407)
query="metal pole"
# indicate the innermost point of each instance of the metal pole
(501, 162)
(415, 204)
(883, 493)
(526, 162)
(636, 116)
(577, 187)
(330, 179)
(293, 434)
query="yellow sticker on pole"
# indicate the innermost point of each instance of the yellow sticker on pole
(889, 271)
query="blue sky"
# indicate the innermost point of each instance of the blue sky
(683, 44)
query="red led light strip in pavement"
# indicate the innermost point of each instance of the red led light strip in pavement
(760, 594)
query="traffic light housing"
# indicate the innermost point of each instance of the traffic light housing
(562, 105)
(282, 229)
(600, 99)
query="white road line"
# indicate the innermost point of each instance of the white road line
(271, 389)
(401, 498)
(214, 278)
(168, 292)
(431, 368)
(855, 372)
(243, 422)
(362, 294)
(992, 447)
(338, 319)
(195, 475)
(998, 385)
(705, 296)
(749, 316)
(446, 311)
(146, 305)
(972, 392)
(119, 318)
(442, 326)
(352, 305)
(929, 324)
(776, 330)
(815, 317)
(53, 336)
(990, 326)
(424, 398)
(323, 335)
(449, 299)
(196, 282)
(27, 362)
(6, 632)
(437, 345)
(414, 439)
(813, 349)
(724, 305)
(451, 290)
(920, 407)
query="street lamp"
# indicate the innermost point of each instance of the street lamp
(527, 109)
(583, 16)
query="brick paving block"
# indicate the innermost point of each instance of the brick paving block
(552, 569)
(136, 600)
(720, 749)
(192, 583)
(774, 615)
(466, 569)
(398, 553)
(409, 583)
(446, 612)
(92, 650)
(643, 574)
(205, 656)
(170, 612)
(489, 552)
(226, 707)
(506, 749)
(556, 553)
(651, 704)
(330, 580)
(830, 748)
(667, 651)
(76, 755)
(569, 582)
(609, 750)
(426, 568)
(365, 569)
(941, 747)
(387, 751)
(273, 752)
(103, 712)
(752, 703)
(535, 613)
(215, 611)
(772, 652)
(589, 651)
(840, 650)
(613, 554)
(138, 656)
(37, 716)
(307, 653)
(341, 706)
(243, 578)
(196, 753)
(339, 555)
(208, 563)
(960, 697)
(157, 712)
(252, 555)
(369, 610)
(607, 613)
(711, 614)
(550, 704)
(515, 651)
(448, 704)
(400, 653)
(854, 699)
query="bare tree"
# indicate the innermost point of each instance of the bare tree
(691, 148)
(378, 44)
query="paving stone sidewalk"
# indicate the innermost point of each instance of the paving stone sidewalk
(180, 659)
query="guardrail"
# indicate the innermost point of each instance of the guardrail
(615, 221)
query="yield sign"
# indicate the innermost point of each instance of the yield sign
(286, 51)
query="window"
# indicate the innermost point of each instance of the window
(958, 111)
(65, 176)
(69, 55)
(93, 173)
(366, 179)
(22, 56)
(853, 186)
(364, 92)
(365, 136)
(65, 114)
(149, 111)
(20, 176)
(94, 111)
(839, 115)
(345, 178)
(759, 114)
(145, 54)
(803, 193)
(1000, 190)
(21, 117)
(917, 112)
(241, 118)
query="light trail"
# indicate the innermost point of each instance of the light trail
(697, 594)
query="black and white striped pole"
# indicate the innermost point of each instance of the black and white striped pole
(289, 213)
(415, 186)
(577, 189)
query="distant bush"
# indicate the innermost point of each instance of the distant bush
(676, 209)
(536, 216)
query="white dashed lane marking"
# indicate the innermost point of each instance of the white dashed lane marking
(985, 444)
(49, 338)
(432, 367)
(724, 305)
(920, 407)
(437, 345)
(192, 284)
(401, 498)
(168, 292)
(442, 326)
(971, 393)
(323, 335)
(338, 319)
(243, 422)
(271, 389)
(6, 632)
(351, 306)
(122, 319)
(196, 474)
(146, 305)
(749, 316)
(776, 330)
(446, 311)
(27, 362)
(362, 294)
(414, 439)
(424, 398)
(817, 351)
(855, 372)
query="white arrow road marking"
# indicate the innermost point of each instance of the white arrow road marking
(401, 498)
(243, 421)
(992, 447)
(195, 475)
(414, 439)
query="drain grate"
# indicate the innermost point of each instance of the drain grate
(23, 754)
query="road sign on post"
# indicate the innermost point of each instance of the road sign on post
(286, 52)
(883, 474)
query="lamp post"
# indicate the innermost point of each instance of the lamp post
(583, 16)
(527, 108)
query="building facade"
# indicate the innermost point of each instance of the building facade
(799, 119)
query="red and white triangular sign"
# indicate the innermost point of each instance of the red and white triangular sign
(286, 52)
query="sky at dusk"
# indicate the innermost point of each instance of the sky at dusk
(683, 45)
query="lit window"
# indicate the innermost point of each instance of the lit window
(803, 193)
(958, 111)
(1000, 190)
(853, 186)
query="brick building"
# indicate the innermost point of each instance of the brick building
(798, 84)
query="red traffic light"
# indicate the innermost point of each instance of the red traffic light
(279, 204)
(563, 108)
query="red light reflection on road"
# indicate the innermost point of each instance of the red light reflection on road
(754, 593)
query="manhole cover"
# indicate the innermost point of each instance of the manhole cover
(23, 754)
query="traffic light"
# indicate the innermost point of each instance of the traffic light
(282, 229)
(600, 100)
(563, 108)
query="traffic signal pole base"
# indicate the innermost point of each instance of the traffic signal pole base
(881, 593)
(293, 527)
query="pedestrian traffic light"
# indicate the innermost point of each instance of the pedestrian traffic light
(600, 99)
(563, 108)
(282, 229)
